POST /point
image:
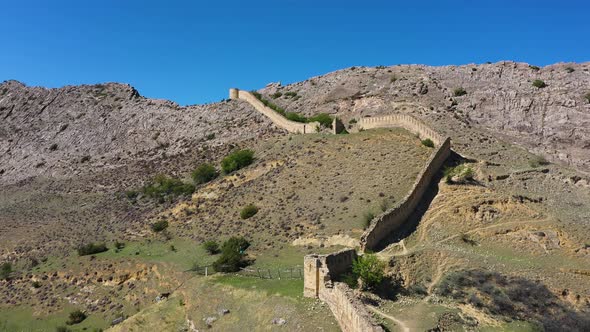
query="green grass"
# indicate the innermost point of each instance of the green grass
(21, 318)
(285, 287)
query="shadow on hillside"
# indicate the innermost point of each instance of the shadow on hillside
(414, 219)
(513, 297)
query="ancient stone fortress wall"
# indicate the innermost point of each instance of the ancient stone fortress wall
(320, 271)
(276, 118)
(387, 222)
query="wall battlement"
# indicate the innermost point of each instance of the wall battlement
(279, 120)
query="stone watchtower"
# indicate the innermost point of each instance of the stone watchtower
(234, 93)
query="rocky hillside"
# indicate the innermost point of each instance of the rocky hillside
(553, 120)
(76, 129)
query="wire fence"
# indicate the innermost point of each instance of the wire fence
(256, 272)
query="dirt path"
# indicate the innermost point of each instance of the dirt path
(399, 323)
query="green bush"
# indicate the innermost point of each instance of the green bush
(367, 218)
(76, 317)
(587, 97)
(248, 211)
(210, 136)
(458, 92)
(92, 248)
(428, 142)
(159, 226)
(119, 245)
(163, 186)
(276, 95)
(62, 329)
(232, 255)
(204, 173)
(462, 172)
(5, 271)
(537, 161)
(570, 69)
(296, 117)
(237, 160)
(36, 284)
(290, 94)
(324, 119)
(212, 247)
(539, 84)
(369, 269)
(352, 121)
(535, 68)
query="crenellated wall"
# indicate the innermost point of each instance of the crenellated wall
(319, 274)
(276, 118)
(387, 222)
(405, 121)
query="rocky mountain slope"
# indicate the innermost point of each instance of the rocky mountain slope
(553, 121)
(78, 129)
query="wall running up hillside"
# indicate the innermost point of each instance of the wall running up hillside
(279, 120)
(387, 222)
(319, 274)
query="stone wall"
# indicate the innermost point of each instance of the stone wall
(405, 121)
(279, 120)
(320, 271)
(387, 222)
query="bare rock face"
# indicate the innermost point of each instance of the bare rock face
(75, 129)
(553, 121)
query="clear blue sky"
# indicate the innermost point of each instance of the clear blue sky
(193, 51)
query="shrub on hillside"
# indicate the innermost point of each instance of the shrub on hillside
(237, 160)
(5, 271)
(367, 218)
(92, 248)
(458, 174)
(212, 247)
(539, 84)
(204, 173)
(570, 69)
(458, 92)
(369, 269)
(163, 186)
(428, 142)
(537, 161)
(535, 68)
(276, 95)
(76, 317)
(232, 255)
(587, 97)
(296, 117)
(159, 226)
(324, 119)
(248, 211)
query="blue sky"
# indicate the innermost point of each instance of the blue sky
(193, 51)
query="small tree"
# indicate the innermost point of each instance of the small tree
(248, 211)
(587, 97)
(159, 226)
(5, 270)
(369, 269)
(539, 84)
(211, 246)
(428, 142)
(76, 317)
(232, 255)
(324, 119)
(237, 160)
(204, 173)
